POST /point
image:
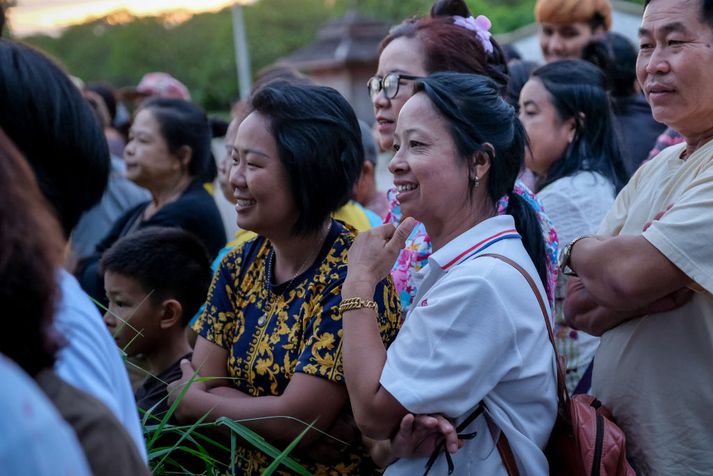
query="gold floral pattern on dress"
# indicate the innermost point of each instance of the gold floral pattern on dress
(301, 332)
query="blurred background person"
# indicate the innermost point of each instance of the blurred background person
(168, 147)
(566, 26)
(121, 194)
(366, 192)
(575, 153)
(637, 129)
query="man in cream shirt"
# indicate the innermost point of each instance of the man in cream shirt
(645, 281)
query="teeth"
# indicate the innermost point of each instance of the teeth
(245, 203)
(406, 188)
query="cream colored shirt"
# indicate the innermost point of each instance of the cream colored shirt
(656, 372)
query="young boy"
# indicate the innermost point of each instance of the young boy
(155, 281)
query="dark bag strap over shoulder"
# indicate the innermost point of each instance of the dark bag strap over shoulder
(562, 395)
(502, 443)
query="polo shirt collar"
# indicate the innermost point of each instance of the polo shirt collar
(474, 241)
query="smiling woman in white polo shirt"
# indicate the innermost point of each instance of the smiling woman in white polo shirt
(475, 333)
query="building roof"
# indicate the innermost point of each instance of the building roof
(353, 38)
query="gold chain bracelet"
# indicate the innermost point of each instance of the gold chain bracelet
(353, 303)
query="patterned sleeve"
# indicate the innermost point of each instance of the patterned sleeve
(322, 353)
(218, 320)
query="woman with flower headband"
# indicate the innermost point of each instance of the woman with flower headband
(450, 40)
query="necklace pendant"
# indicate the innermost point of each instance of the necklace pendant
(261, 321)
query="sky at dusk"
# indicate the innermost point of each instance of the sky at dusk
(48, 16)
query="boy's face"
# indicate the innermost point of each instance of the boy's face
(133, 319)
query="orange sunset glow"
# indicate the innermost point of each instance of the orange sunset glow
(49, 16)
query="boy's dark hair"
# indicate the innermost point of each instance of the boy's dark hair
(319, 144)
(168, 263)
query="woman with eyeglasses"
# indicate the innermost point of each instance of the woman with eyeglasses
(450, 40)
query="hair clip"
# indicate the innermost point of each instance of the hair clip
(480, 26)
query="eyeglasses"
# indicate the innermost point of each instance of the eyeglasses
(389, 83)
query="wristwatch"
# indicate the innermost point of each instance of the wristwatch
(563, 263)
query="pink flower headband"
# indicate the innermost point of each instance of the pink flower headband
(480, 26)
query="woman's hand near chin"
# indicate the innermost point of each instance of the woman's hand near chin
(372, 256)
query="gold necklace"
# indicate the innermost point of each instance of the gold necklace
(268, 274)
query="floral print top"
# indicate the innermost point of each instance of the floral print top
(415, 254)
(272, 332)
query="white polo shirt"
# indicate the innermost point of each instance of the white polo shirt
(475, 332)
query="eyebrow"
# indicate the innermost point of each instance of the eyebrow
(251, 151)
(529, 102)
(666, 29)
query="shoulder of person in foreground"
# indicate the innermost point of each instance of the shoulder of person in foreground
(90, 360)
(107, 446)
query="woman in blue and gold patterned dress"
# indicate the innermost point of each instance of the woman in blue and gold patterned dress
(271, 330)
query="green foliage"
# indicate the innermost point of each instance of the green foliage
(199, 51)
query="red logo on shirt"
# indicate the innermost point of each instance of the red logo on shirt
(424, 303)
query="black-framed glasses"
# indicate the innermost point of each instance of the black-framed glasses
(389, 83)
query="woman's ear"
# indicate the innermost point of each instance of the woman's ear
(480, 162)
(576, 123)
(185, 155)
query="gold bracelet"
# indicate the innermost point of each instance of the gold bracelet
(353, 303)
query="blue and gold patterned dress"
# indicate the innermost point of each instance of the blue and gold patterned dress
(271, 332)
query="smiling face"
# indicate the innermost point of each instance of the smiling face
(430, 177)
(133, 319)
(549, 135)
(402, 55)
(560, 41)
(675, 65)
(264, 201)
(148, 161)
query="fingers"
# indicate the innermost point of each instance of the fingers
(402, 232)
(186, 366)
(406, 426)
(450, 435)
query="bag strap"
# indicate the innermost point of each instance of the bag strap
(562, 395)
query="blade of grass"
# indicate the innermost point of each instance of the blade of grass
(281, 457)
(259, 442)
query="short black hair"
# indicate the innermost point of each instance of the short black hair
(615, 55)
(55, 129)
(168, 263)
(706, 12)
(319, 144)
(182, 123)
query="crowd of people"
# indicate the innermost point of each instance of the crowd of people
(395, 331)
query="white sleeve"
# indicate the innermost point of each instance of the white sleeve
(91, 361)
(455, 346)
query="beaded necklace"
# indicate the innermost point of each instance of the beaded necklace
(303, 267)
